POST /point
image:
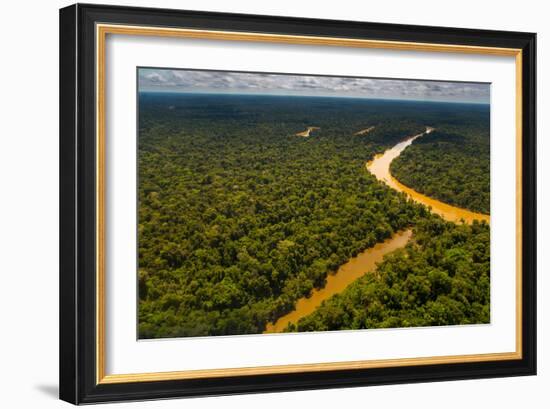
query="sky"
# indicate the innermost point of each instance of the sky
(191, 81)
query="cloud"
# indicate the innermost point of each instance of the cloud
(238, 82)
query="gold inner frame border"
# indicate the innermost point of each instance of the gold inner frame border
(102, 30)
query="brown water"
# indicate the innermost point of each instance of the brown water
(364, 131)
(380, 167)
(309, 129)
(366, 261)
(356, 267)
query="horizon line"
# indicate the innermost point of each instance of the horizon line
(308, 96)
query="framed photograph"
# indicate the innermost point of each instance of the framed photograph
(257, 203)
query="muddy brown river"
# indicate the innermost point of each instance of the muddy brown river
(366, 261)
(380, 167)
(356, 267)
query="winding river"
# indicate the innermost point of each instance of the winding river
(365, 262)
(380, 167)
(356, 267)
(308, 131)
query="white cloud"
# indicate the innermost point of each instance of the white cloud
(238, 82)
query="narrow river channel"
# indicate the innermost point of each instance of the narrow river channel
(366, 261)
(356, 267)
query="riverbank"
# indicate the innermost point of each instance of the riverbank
(308, 131)
(364, 131)
(346, 274)
(366, 261)
(380, 167)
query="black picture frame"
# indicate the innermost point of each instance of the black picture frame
(78, 297)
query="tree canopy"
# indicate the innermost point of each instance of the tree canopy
(238, 217)
(451, 164)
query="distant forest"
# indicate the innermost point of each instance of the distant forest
(239, 217)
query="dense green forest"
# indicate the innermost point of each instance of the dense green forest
(440, 278)
(239, 217)
(451, 164)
